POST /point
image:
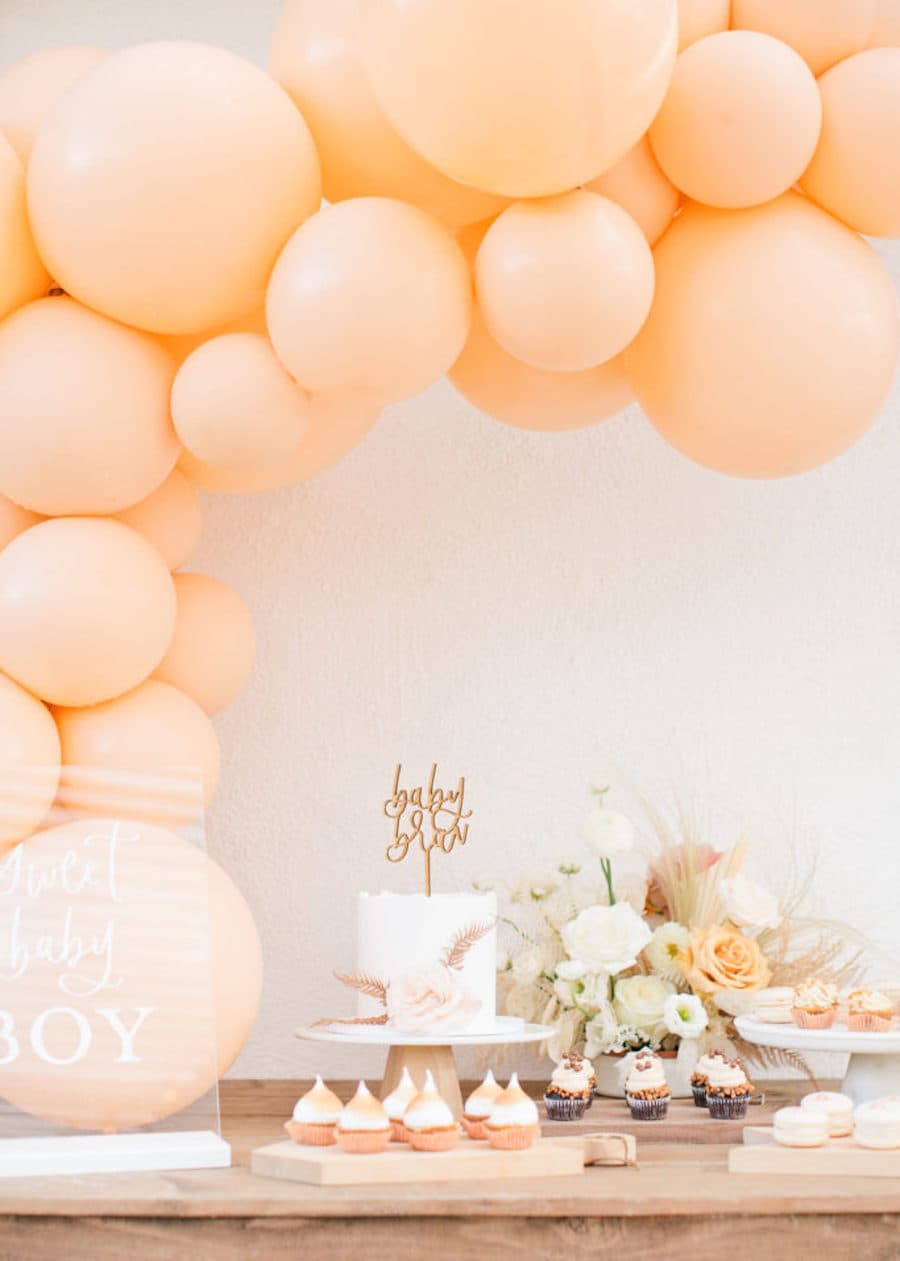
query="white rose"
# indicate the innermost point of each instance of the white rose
(430, 998)
(606, 938)
(748, 905)
(570, 970)
(607, 832)
(640, 1001)
(685, 1015)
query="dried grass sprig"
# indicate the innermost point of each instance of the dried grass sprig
(365, 984)
(351, 1020)
(455, 954)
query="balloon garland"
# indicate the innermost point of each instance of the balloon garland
(561, 206)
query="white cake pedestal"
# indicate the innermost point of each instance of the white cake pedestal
(874, 1067)
(424, 1052)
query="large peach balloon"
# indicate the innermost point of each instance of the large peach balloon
(85, 405)
(29, 762)
(528, 398)
(886, 31)
(214, 645)
(369, 295)
(14, 520)
(564, 283)
(855, 173)
(163, 186)
(520, 97)
(170, 519)
(233, 404)
(638, 185)
(144, 1025)
(821, 31)
(740, 122)
(315, 59)
(87, 610)
(337, 423)
(23, 276)
(699, 18)
(31, 86)
(772, 341)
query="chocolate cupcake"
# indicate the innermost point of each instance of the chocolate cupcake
(700, 1076)
(571, 1089)
(728, 1091)
(646, 1089)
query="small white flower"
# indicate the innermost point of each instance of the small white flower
(606, 938)
(684, 1015)
(570, 970)
(607, 832)
(749, 905)
(667, 945)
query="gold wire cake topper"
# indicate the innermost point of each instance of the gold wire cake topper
(435, 819)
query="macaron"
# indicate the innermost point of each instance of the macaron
(877, 1123)
(837, 1108)
(800, 1127)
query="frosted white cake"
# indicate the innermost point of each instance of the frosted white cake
(406, 942)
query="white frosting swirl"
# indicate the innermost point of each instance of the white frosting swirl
(363, 1112)
(396, 1103)
(481, 1100)
(815, 995)
(512, 1107)
(706, 1062)
(646, 1073)
(726, 1074)
(869, 1001)
(428, 1110)
(319, 1106)
(574, 1074)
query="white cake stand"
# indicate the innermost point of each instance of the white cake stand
(426, 1051)
(874, 1067)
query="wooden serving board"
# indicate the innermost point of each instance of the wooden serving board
(329, 1166)
(840, 1157)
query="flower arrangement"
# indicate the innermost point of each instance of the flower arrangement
(622, 951)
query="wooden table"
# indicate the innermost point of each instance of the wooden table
(680, 1201)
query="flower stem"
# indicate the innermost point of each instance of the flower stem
(606, 868)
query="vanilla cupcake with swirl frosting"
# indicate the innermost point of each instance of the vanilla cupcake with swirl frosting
(315, 1117)
(728, 1091)
(428, 1121)
(815, 1004)
(571, 1088)
(514, 1123)
(646, 1089)
(363, 1127)
(477, 1107)
(869, 1011)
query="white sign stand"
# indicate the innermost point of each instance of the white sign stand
(113, 1153)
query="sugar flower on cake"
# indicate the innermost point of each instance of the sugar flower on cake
(749, 905)
(606, 938)
(684, 1015)
(429, 998)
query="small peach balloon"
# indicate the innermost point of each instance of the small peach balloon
(14, 520)
(740, 122)
(638, 185)
(233, 404)
(85, 404)
(528, 398)
(370, 295)
(855, 174)
(31, 86)
(773, 338)
(87, 610)
(821, 31)
(699, 18)
(164, 185)
(886, 31)
(23, 276)
(564, 283)
(214, 645)
(170, 519)
(315, 59)
(29, 762)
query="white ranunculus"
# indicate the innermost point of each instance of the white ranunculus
(668, 946)
(640, 1001)
(606, 938)
(527, 965)
(685, 1015)
(749, 905)
(608, 833)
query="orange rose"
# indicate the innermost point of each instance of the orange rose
(721, 958)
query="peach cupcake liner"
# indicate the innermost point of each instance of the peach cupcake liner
(869, 1022)
(311, 1135)
(364, 1142)
(813, 1019)
(399, 1132)
(433, 1140)
(512, 1138)
(474, 1127)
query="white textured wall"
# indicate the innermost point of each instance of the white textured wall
(536, 611)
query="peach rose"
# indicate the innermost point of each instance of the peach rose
(721, 958)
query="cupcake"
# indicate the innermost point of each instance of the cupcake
(363, 1127)
(869, 1011)
(571, 1088)
(477, 1107)
(700, 1075)
(646, 1089)
(428, 1122)
(396, 1103)
(514, 1123)
(315, 1117)
(836, 1108)
(728, 1091)
(815, 1004)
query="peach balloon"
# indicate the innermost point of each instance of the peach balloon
(337, 423)
(184, 982)
(699, 18)
(369, 295)
(154, 730)
(233, 404)
(170, 519)
(740, 122)
(821, 31)
(528, 398)
(14, 520)
(30, 87)
(23, 276)
(564, 283)
(855, 173)
(772, 341)
(180, 345)
(87, 610)
(214, 645)
(163, 187)
(638, 185)
(29, 762)
(85, 405)
(315, 59)
(886, 31)
(520, 97)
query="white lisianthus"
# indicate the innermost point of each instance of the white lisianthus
(601, 1031)
(608, 833)
(606, 938)
(666, 948)
(570, 970)
(684, 1015)
(527, 965)
(749, 905)
(640, 1001)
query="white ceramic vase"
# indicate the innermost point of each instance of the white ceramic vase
(612, 1070)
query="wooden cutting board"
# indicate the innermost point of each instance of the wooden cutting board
(840, 1157)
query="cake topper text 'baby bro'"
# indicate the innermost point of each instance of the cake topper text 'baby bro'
(429, 817)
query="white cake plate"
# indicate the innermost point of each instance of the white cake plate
(420, 1052)
(874, 1066)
